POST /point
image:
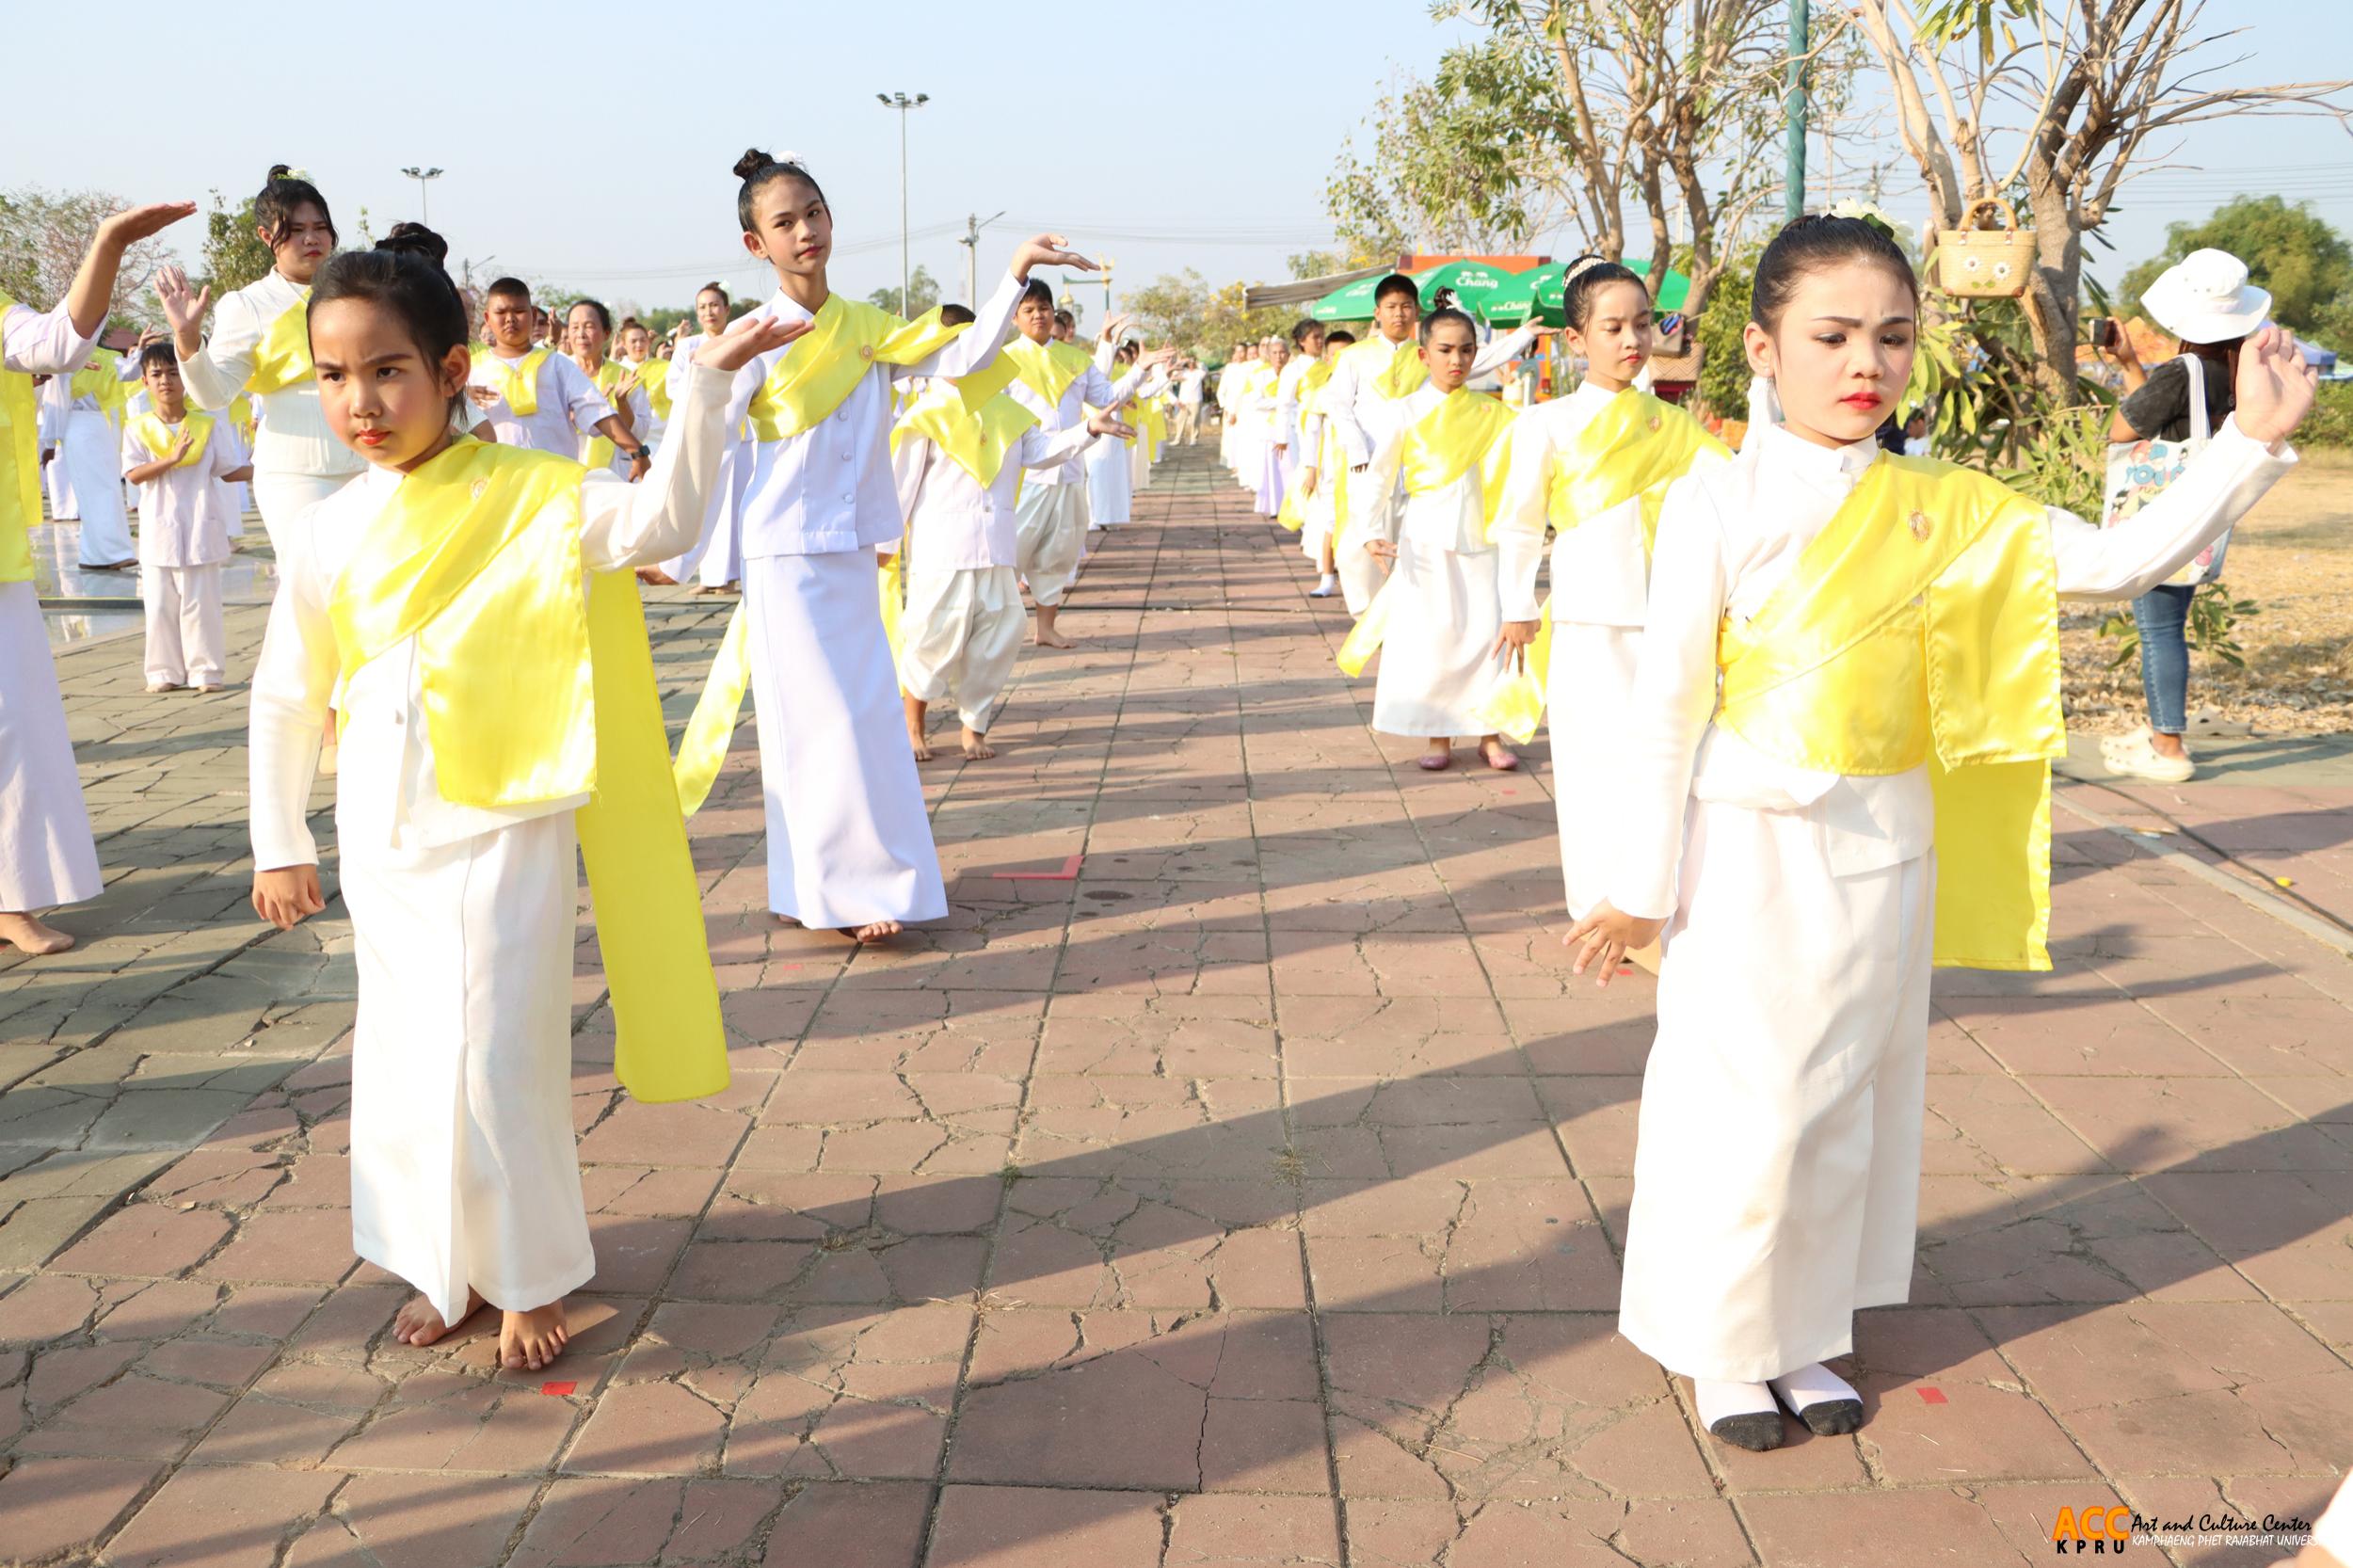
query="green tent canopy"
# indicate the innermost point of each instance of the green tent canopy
(1472, 283)
(1539, 292)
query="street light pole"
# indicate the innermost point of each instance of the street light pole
(421, 176)
(974, 224)
(902, 103)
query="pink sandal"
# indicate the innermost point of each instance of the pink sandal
(1435, 762)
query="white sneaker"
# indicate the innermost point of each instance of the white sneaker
(2137, 756)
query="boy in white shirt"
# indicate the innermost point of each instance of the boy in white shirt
(535, 396)
(184, 463)
(957, 458)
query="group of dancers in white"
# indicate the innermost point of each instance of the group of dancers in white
(1794, 672)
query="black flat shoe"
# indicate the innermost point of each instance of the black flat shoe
(1833, 1417)
(1756, 1431)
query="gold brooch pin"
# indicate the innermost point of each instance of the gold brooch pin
(479, 485)
(1919, 522)
(1656, 421)
(866, 351)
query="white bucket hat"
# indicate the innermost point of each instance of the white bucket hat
(2205, 298)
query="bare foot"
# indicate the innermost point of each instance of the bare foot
(1046, 635)
(418, 1325)
(921, 744)
(530, 1341)
(657, 577)
(29, 934)
(873, 931)
(785, 920)
(976, 747)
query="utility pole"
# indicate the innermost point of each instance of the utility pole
(1107, 288)
(974, 224)
(421, 176)
(902, 103)
(1793, 178)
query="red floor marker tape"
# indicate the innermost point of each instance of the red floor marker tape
(1932, 1396)
(1069, 873)
(557, 1387)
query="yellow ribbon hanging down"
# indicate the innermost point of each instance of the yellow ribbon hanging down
(654, 376)
(20, 468)
(159, 438)
(1046, 369)
(1637, 445)
(518, 383)
(1292, 515)
(283, 356)
(1466, 430)
(1513, 703)
(1921, 626)
(241, 417)
(534, 690)
(892, 573)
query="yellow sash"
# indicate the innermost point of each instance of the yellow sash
(1635, 446)
(1392, 374)
(159, 438)
(970, 423)
(283, 356)
(1047, 368)
(1921, 626)
(241, 416)
(1514, 702)
(892, 572)
(20, 468)
(1468, 430)
(98, 381)
(817, 369)
(534, 690)
(518, 383)
(654, 376)
(1293, 515)
(596, 451)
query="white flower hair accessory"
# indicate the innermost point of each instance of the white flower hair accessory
(794, 160)
(1870, 212)
(295, 174)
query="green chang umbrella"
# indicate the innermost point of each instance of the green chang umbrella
(1471, 281)
(1537, 291)
(1349, 302)
(1541, 292)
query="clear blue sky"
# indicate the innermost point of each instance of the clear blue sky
(1205, 131)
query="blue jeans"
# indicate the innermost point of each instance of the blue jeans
(2161, 613)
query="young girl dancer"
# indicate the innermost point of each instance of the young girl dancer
(47, 856)
(1594, 466)
(1885, 629)
(1438, 618)
(849, 845)
(258, 345)
(457, 605)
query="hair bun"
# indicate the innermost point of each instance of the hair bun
(751, 162)
(278, 171)
(415, 239)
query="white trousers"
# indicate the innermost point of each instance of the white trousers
(184, 632)
(848, 840)
(1273, 479)
(1438, 658)
(1589, 690)
(464, 1171)
(1110, 485)
(95, 462)
(282, 496)
(960, 634)
(60, 477)
(1777, 1162)
(1186, 427)
(47, 856)
(1049, 533)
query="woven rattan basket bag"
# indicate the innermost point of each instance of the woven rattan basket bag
(1985, 263)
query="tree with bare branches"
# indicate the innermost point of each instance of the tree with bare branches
(44, 235)
(2061, 102)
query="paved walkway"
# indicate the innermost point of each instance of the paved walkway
(1235, 1178)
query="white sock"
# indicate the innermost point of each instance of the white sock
(1718, 1399)
(1811, 1386)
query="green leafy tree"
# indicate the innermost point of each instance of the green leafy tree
(234, 254)
(1724, 358)
(44, 235)
(922, 293)
(2288, 249)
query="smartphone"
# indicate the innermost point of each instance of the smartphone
(2106, 333)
